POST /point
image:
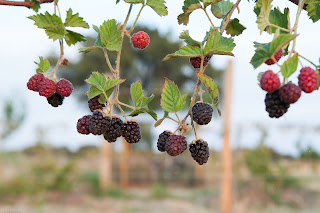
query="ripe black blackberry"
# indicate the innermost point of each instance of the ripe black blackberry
(83, 125)
(98, 124)
(131, 131)
(176, 144)
(202, 113)
(199, 151)
(274, 106)
(55, 100)
(162, 140)
(114, 130)
(94, 104)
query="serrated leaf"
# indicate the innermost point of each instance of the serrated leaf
(93, 92)
(313, 9)
(111, 83)
(35, 5)
(188, 7)
(110, 35)
(186, 51)
(74, 20)
(234, 28)
(280, 42)
(158, 6)
(206, 3)
(151, 113)
(211, 87)
(289, 66)
(187, 38)
(171, 99)
(207, 35)
(43, 65)
(221, 9)
(97, 80)
(136, 93)
(217, 44)
(147, 100)
(263, 18)
(261, 54)
(52, 24)
(72, 37)
(96, 28)
(279, 19)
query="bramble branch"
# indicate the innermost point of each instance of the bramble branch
(22, 4)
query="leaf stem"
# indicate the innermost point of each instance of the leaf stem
(295, 28)
(205, 11)
(307, 60)
(135, 22)
(193, 100)
(126, 105)
(119, 106)
(58, 63)
(280, 28)
(229, 17)
(108, 61)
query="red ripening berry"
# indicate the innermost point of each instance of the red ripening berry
(269, 81)
(33, 83)
(47, 88)
(196, 61)
(308, 79)
(277, 56)
(140, 40)
(289, 93)
(64, 87)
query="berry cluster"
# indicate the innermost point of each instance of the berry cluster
(53, 91)
(176, 144)
(110, 127)
(279, 98)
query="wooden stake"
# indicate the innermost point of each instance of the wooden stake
(226, 154)
(105, 174)
(124, 164)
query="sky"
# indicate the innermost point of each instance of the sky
(22, 43)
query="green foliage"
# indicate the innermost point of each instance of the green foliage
(74, 20)
(171, 98)
(221, 9)
(263, 17)
(43, 65)
(110, 35)
(188, 7)
(158, 6)
(289, 66)
(186, 51)
(234, 28)
(313, 9)
(211, 88)
(190, 41)
(217, 44)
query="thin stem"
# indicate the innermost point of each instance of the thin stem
(280, 28)
(58, 63)
(177, 117)
(193, 100)
(301, 3)
(22, 4)
(135, 22)
(119, 106)
(229, 17)
(173, 119)
(307, 60)
(108, 60)
(126, 105)
(205, 11)
(194, 130)
(56, 4)
(201, 65)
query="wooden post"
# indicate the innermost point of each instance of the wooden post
(105, 174)
(226, 154)
(124, 164)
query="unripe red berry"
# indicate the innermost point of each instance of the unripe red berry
(140, 40)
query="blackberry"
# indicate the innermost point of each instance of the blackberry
(98, 124)
(202, 113)
(131, 131)
(47, 88)
(199, 151)
(274, 106)
(55, 100)
(83, 125)
(64, 87)
(94, 104)
(289, 93)
(196, 61)
(162, 140)
(176, 144)
(33, 83)
(114, 130)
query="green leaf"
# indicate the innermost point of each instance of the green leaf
(43, 65)
(151, 113)
(186, 37)
(73, 37)
(136, 92)
(158, 6)
(186, 51)
(234, 28)
(93, 92)
(263, 18)
(206, 3)
(136, 112)
(216, 44)
(159, 122)
(134, 1)
(261, 54)
(110, 35)
(313, 9)
(289, 66)
(111, 83)
(74, 20)
(97, 43)
(280, 42)
(52, 24)
(211, 87)
(96, 28)
(221, 9)
(171, 99)
(102, 99)
(146, 101)
(97, 80)
(188, 7)
(35, 5)
(279, 19)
